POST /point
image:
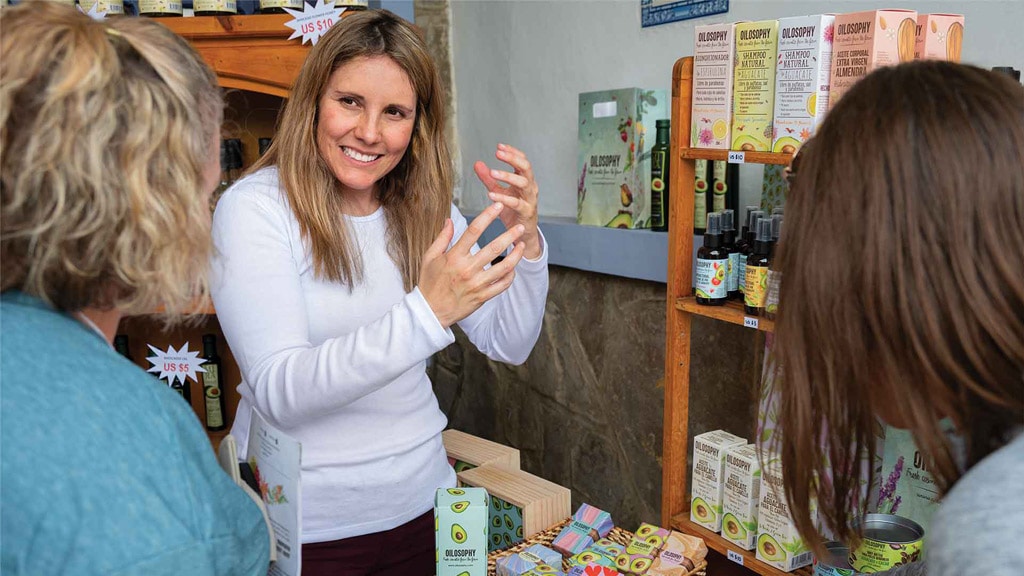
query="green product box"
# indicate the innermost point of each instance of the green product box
(614, 156)
(460, 531)
(506, 524)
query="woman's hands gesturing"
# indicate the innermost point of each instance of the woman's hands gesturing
(520, 197)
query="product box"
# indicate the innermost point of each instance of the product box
(741, 496)
(521, 504)
(591, 556)
(708, 469)
(527, 560)
(460, 531)
(466, 451)
(939, 37)
(588, 523)
(864, 41)
(778, 542)
(614, 156)
(801, 79)
(653, 535)
(714, 52)
(636, 558)
(907, 488)
(680, 554)
(544, 570)
(753, 94)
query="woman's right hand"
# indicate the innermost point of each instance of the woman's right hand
(454, 282)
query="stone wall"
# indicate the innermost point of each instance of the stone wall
(585, 410)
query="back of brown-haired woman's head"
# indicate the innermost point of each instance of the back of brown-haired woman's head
(106, 129)
(903, 297)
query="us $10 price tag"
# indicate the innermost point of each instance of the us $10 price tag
(313, 21)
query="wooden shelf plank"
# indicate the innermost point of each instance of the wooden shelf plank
(731, 312)
(722, 546)
(749, 157)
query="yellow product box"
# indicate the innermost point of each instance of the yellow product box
(753, 95)
(867, 40)
(802, 74)
(714, 50)
(939, 37)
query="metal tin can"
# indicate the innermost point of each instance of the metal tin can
(835, 562)
(888, 541)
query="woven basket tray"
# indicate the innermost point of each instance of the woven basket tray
(617, 535)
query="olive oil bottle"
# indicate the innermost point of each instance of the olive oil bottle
(712, 265)
(729, 245)
(213, 393)
(659, 178)
(121, 346)
(701, 192)
(725, 186)
(756, 288)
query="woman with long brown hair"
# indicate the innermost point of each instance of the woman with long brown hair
(903, 301)
(337, 278)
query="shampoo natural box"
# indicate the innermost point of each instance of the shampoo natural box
(864, 41)
(753, 95)
(714, 50)
(709, 451)
(939, 37)
(801, 79)
(778, 542)
(614, 156)
(740, 496)
(460, 531)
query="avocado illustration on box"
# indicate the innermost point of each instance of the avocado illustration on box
(614, 156)
(460, 531)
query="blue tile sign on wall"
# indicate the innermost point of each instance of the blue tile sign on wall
(654, 12)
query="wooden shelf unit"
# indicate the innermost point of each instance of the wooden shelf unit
(680, 308)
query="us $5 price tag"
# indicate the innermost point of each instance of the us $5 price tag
(175, 364)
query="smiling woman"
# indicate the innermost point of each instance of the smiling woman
(342, 267)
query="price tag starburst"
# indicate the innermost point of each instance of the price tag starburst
(94, 12)
(175, 364)
(313, 21)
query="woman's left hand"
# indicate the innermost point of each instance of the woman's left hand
(519, 198)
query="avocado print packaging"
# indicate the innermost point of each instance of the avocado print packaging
(460, 531)
(802, 79)
(544, 570)
(614, 156)
(939, 37)
(864, 41)
(740, 497)
(778, 542)
(714, 51)
(527, 560)
(574, 538)
(505, 524)
(680, 554)
(753, 95)
(637, 558)
(708, 470)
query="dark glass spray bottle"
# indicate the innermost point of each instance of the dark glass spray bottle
(213, 392)
(771, 305)
(121, 345)
(712, 265)
(659, 178)
(756, 287)
(729, 245)
(747, 248)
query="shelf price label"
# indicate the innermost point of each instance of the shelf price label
(735, 556)
(749, 322)
(313, 21)
(737, 157)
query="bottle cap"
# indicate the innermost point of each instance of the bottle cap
(764, 230)
(714, 227)
(263, 144)
(209, 338)
(776, 226)
(752, 218)
(662, 123)
(727, 221)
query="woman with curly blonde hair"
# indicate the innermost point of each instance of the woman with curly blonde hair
(109, 154)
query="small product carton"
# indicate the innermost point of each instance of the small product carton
(523, 562)
(741, 496)
(588, 524)
(867, 40)
(801, 79)
(778, 542)
(679, 556)
(939, 37)
(753, 95)
(637, 558)
(709, 451)
(614, 156)
(460, 525)
(714, 52)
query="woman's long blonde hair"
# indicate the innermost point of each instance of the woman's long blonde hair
(106, 128)
(902, 294)
(416, 195)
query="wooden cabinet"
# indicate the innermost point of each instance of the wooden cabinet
(680, 307)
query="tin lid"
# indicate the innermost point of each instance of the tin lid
(891, 529)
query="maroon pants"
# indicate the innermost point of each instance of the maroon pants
(404, 551)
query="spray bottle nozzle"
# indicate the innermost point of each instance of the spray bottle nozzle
(714, 224)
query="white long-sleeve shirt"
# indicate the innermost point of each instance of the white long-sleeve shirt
(343, 370)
